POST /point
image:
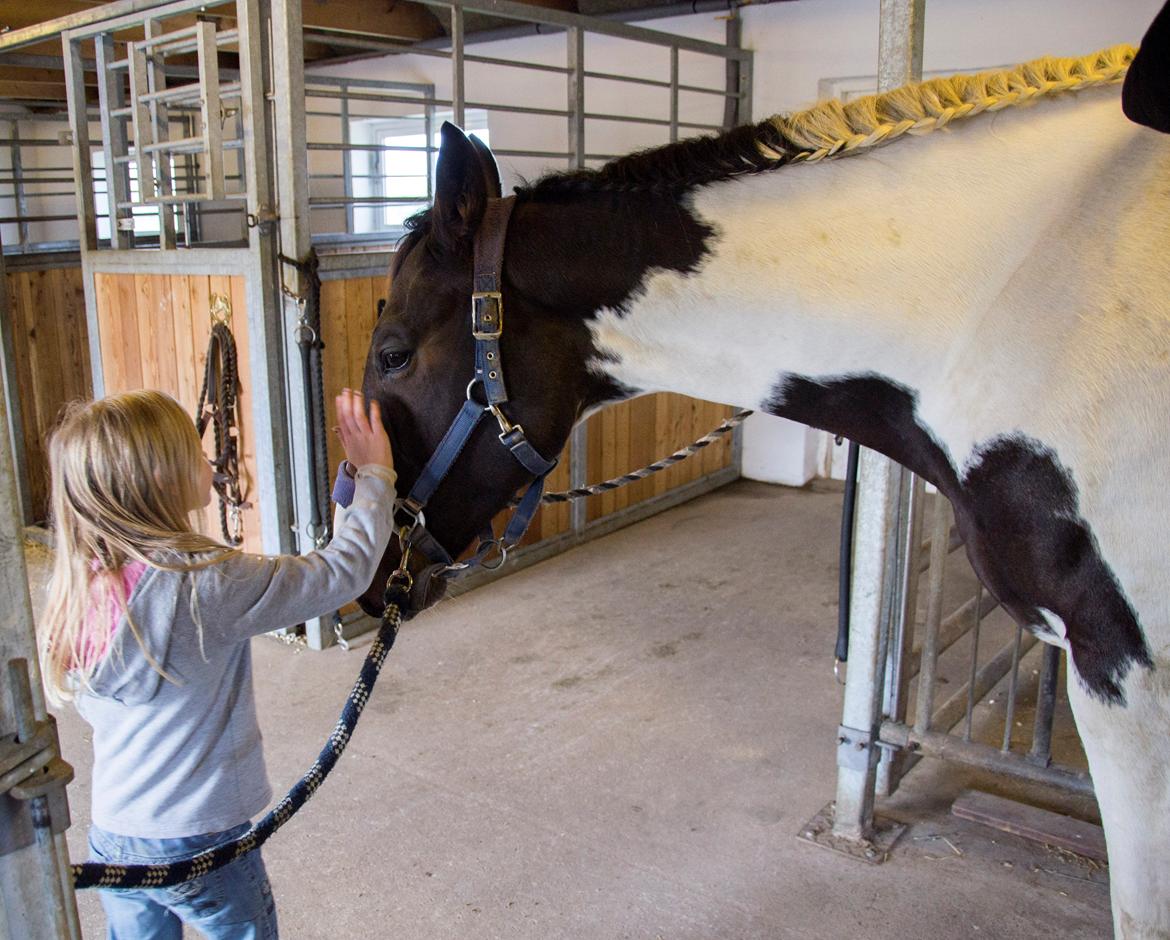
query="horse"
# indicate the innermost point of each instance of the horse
(967, 275)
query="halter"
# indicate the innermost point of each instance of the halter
(487, 326)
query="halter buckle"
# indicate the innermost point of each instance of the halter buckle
(487, 314)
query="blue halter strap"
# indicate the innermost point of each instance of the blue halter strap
(487, 326)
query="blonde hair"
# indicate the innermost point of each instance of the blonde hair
(834, 128)
(125, 475)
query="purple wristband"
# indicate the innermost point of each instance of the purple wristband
(343, 486)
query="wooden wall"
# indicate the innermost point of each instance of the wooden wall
(621, 437)
(154, 330)
(51, 345)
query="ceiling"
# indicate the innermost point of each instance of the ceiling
(33, 74)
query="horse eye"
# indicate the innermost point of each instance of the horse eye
(395, 360)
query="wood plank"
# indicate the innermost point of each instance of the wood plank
(661, 439)
(1031, 822)
(622, 461)
(34, 443)
(608, 455)
(186, 379)
(593, 463)
(198, 304)
(359, 304)
(335, 357)
(161, 311)
(147, 327)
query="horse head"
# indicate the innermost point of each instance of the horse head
(421, 361)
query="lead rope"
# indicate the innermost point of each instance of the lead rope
(596, 489)
(101, 875)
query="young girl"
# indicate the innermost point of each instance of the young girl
(147, 629)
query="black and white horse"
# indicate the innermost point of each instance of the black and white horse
(988, 304)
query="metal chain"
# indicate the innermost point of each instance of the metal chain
(634, 476)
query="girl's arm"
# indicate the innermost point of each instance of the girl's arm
(249, 594)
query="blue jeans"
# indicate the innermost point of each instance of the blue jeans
(232, 903)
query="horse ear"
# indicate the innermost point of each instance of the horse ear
(491, 169)
(461, 188)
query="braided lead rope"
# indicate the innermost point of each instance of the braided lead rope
(101, 875)
(635, 475)
(884, 133)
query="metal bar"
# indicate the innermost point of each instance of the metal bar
(1013, 686)
(1041, 751)
(892, 766)
(262, 279)
(957, 624)
(944, 746)
(575, 56)
(35, 888)
(934, 601)
(960, 704)
(11, 389)
(458, 90)
(226, 261)
(79, 126)
(974, 664)
(673, 94)
(127, 14)
(900, 38)
(732, 32)
(346, 162)
(115, 145)
(209, 110)
(143, 128)
(20, 197)
(879, 522)
(160, 132)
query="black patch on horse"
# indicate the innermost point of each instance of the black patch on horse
(1145, 96)
(1017, 511)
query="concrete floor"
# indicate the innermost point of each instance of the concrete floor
(623, 742)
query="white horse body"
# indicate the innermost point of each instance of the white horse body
(1011, 271)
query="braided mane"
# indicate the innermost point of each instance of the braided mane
(833, 128)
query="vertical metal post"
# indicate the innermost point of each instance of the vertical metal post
(20, 197)
(347, 159)
(160, 129)
(579, 439)
(900, 37)
(879, 522)
(884, 524)
(731, 106)
(210, 108)
(893, 765)
(673, 94)
(79, 127)
(458, 95)
(36, 889)
(115, 144)
(266, 338)
(939, 543)
(1041, 751)
(292, 174)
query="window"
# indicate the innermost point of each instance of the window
(403, 169)
(146, 218)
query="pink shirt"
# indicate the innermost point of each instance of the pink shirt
(96, 642)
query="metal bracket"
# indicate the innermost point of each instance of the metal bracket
(854, 747)
(32, 774)
(874, 850)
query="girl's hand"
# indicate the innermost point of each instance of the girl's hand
(363, 436)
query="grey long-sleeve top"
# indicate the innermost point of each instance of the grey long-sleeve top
(182, 758)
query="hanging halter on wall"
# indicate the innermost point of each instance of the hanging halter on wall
(219, 406)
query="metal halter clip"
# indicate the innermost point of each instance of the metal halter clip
(487, 314)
